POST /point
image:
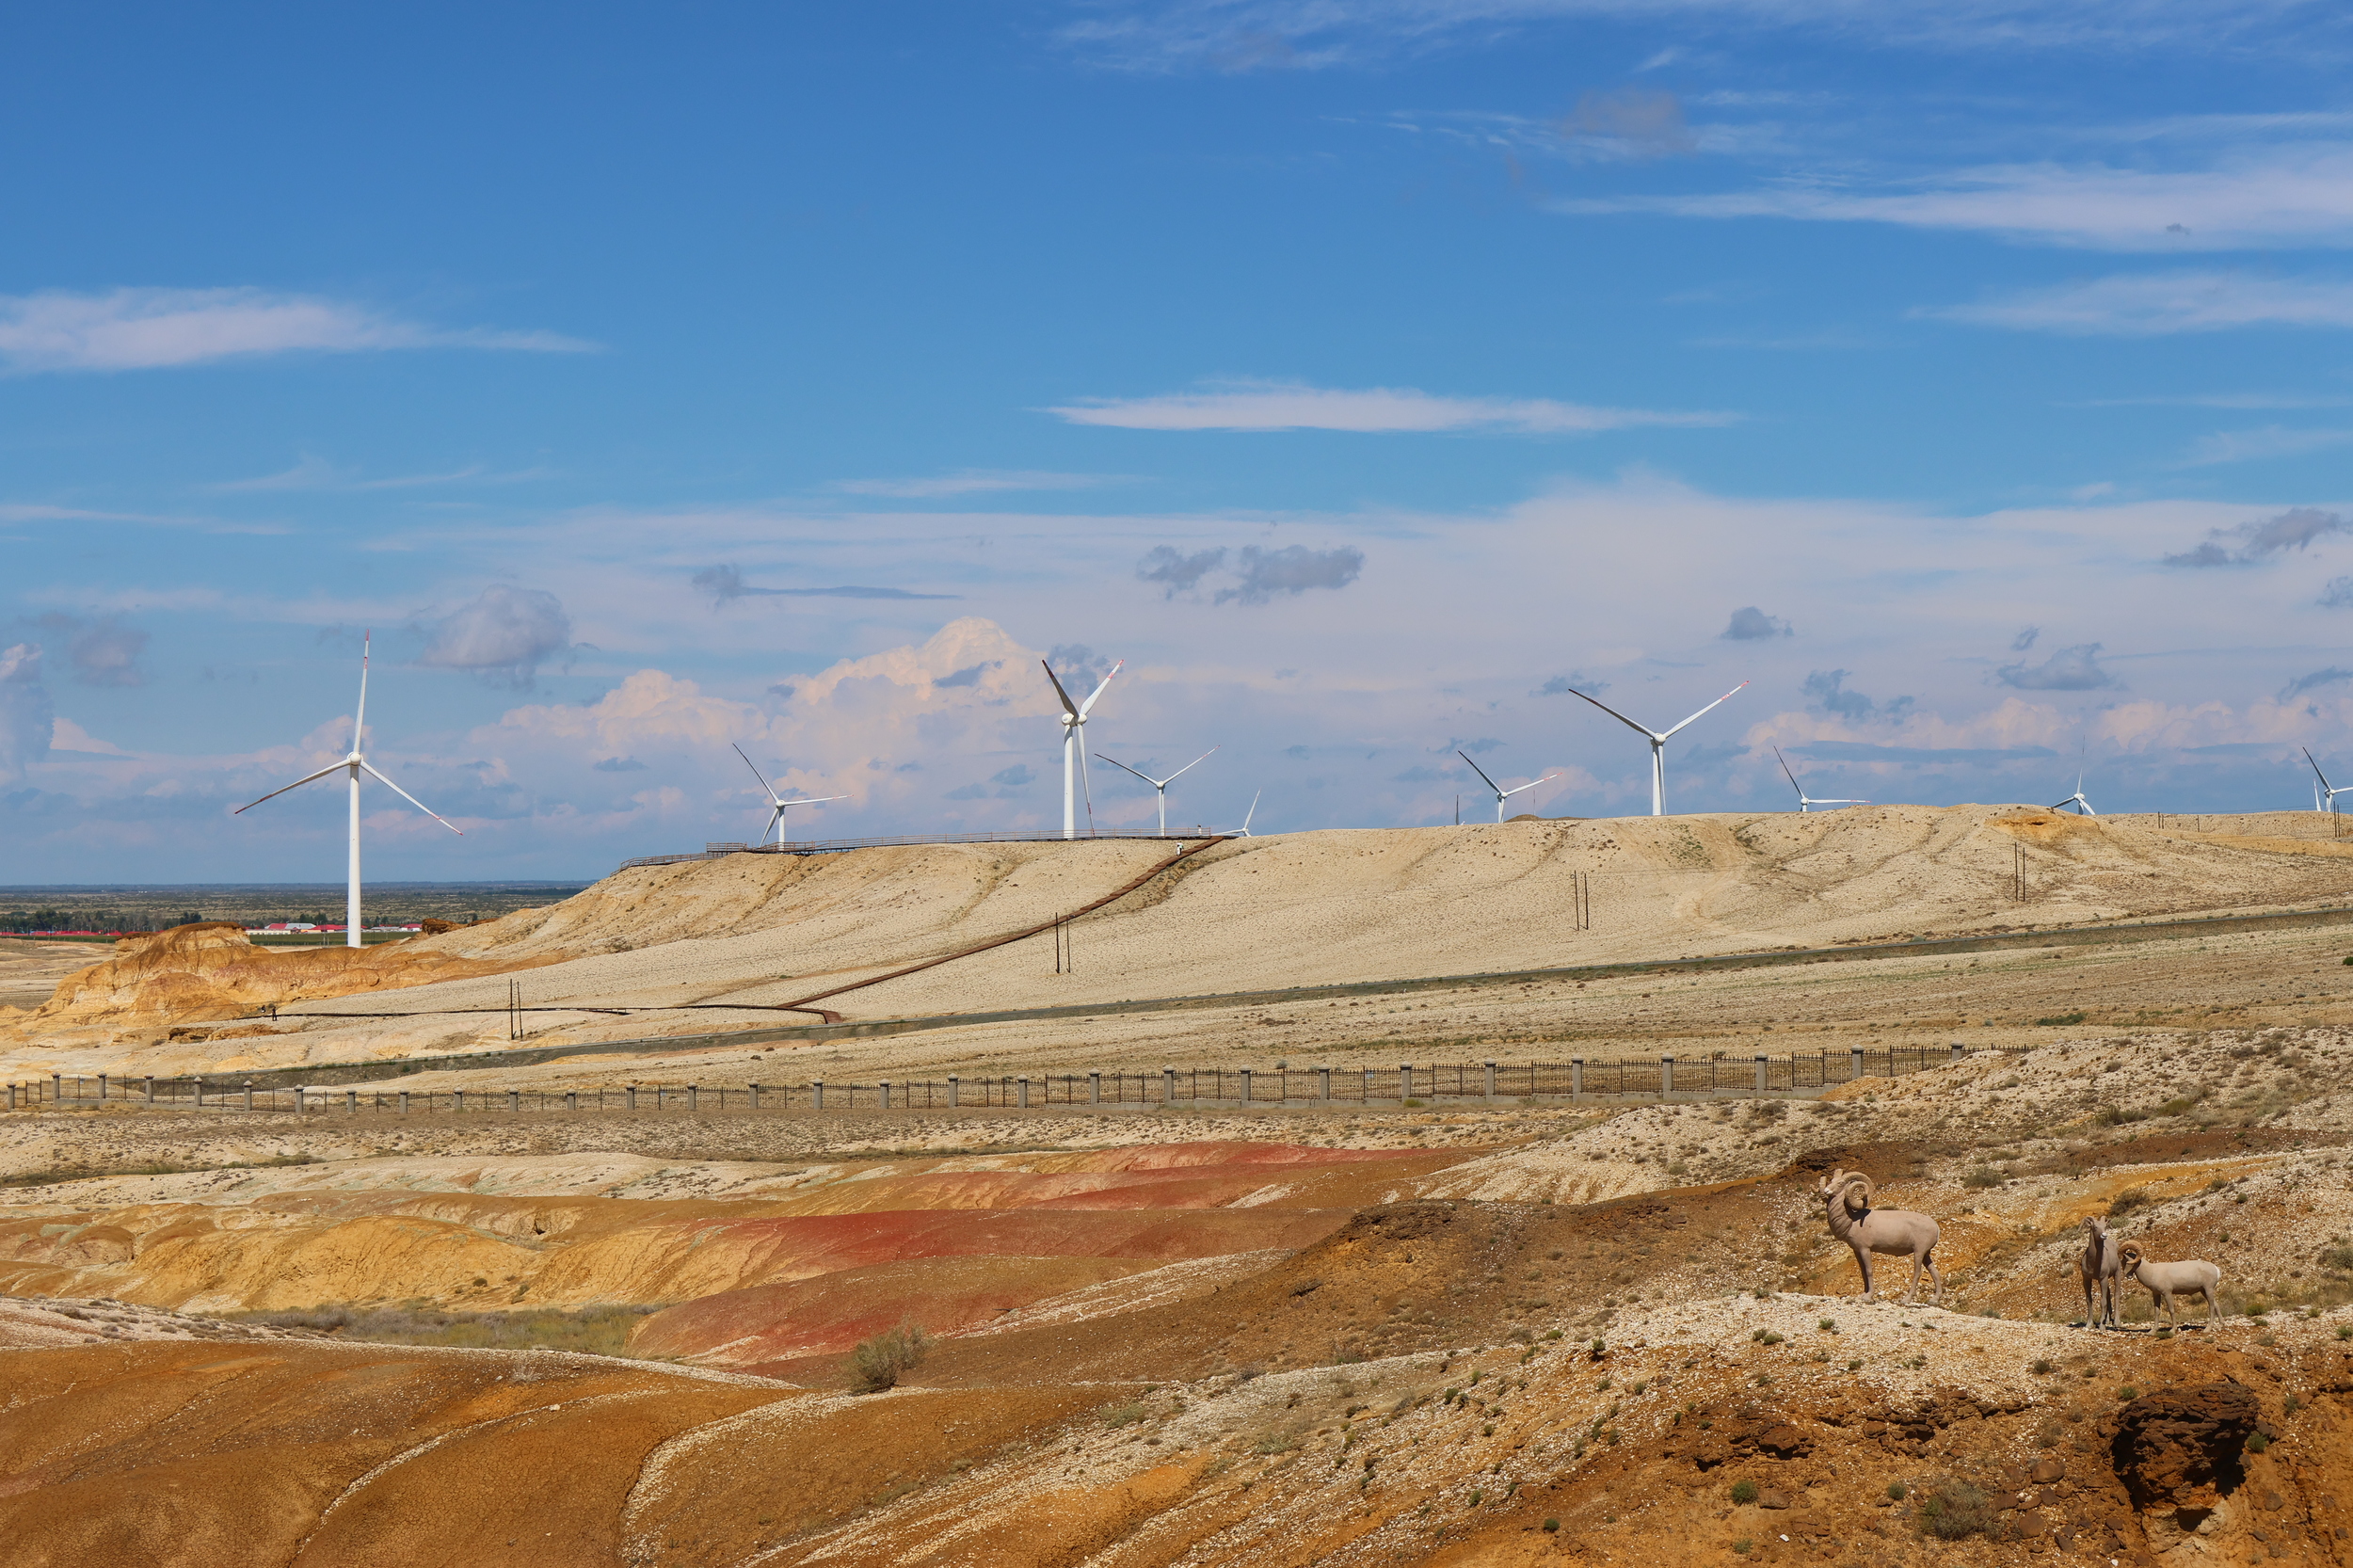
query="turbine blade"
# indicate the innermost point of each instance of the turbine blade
(2316, 773)
(1529, 785)
(412, 800)
(1711, 706)
(1117, 665)
(1620, 717)
(1067, 706)
(770, 789)
(812, 800)
(1179, 773)
(1123, 767)
(1788, 774)
(1252, 812)
(1480, 772)
(360, 722)
(297, 784)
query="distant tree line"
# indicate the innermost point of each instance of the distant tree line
(92, 920)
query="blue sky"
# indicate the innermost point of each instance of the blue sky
(1970, 378)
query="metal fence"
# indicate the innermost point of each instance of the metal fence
(1615, 1078)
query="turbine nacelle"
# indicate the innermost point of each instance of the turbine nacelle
(1657, 739)
(1501, 793)
(1074, 754)
(1806, 802)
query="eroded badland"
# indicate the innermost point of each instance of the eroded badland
(1461, 1331)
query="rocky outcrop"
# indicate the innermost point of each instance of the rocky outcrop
(2180, 1447)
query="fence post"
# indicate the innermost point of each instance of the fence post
(57, 1087)
(1576, 1078)
(403, 1102)
(817, 1093)
(248, 1093)
(886, 1093)
(1855, 1061)
(955, 1088)
(1245, 1084)
(755, 1097)
(1666, 1077)
(514, 1099)
(1760, 1074)
(1024, 1084)
(101, 1088)
(1323, 1084)
(1959, 1049)
(150, 1088)
(630, 1096)
(1168, 1085)
(1094, 1088)
(1404, 1082)
(1491, 1082)
(571, 1099)
(692, 1095)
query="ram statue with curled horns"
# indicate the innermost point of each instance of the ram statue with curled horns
(1891, 1232)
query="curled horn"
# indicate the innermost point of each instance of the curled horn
(1831, 1182)
(2129, 1254)
(1854, 1179)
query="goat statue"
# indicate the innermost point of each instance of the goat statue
(1896, 1232)
(2103, 1275)
(2167, 1280)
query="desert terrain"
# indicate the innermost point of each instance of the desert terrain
(1459, 1331)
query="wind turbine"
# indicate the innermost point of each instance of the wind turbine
(1244, 831)
(357, 763)
(1806, 802)
(778, 803)
(1503, 794)
(2324, 794)
(1074, 718)
(2083, 807)
(1657, 739)
(1159, 786)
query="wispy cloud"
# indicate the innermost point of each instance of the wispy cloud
(2298, 529)
(1293, 405)
(2299, 194)
(152, 328)
(317, 473)
(725, 584)
(1305, 35)
(977, 481)
(2151, 304)
(2267, 441)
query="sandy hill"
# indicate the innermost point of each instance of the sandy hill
(710, 944)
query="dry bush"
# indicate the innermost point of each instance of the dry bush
(1954, 1511)
(592, 1330)
(879, 1363)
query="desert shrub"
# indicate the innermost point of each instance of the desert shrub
(1954, 1511)
(2130, 1199)
(1896, 1491)
(1742, 1546)
(2117, 1115)
(879, 1363)
(1124, 1414)
(1551, 1524)
(592, 1330)
(2060, 1019)
(2041, 1366)
(1982, 1175)
(2257, 1443)
(1766, 1336)
(2337, 1257)
(2344, 1331)
(1744, 1491)
(2180, 1105)
(1274, 1443)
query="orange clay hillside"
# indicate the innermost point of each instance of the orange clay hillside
(212, 971)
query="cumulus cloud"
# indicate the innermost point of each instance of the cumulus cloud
(1571, 684)
(1294, 406)
(2155, 303)
(151, 328)
(2024, 639)
(2068, 669)
(1177, 571)
(2295, 529)
(1826, 691)
(504, 637)
(26, 717)
(1748, 624)
(1293, 570)
(103, 651)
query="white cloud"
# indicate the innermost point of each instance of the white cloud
(27, 719)
(1250, 35)
(149, 329)
(976, 481)
(2260, 445)
(506, 635)
(2149, 304)
(2273, 197)
(1292, 406)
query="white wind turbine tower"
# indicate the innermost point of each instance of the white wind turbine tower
(1244, 831)
(1503, 794)
(356, 765)
(1074, 754)
(1657, 739)
(1159, 786)
(2083, 807)
(2324, 794)
(778, 803)
(1806, 802)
